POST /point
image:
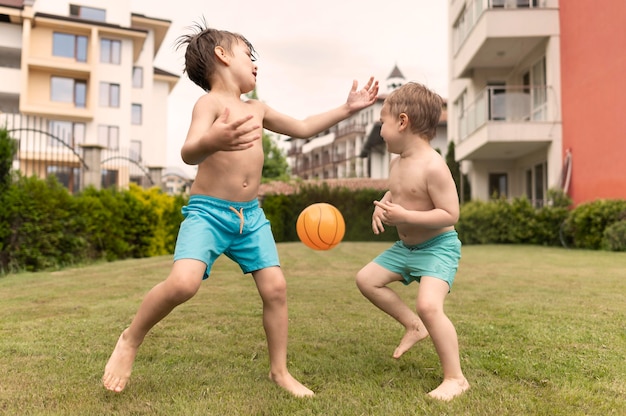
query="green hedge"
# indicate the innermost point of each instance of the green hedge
(356, 208)
(43, 226)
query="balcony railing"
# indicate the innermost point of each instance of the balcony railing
(475, 8)
(505, 104)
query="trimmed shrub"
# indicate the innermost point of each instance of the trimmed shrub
(586, 223)
(168, 218)
(355, 206)
(614, 237)
(40, 226)
(118, 224)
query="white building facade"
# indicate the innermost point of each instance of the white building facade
(80, 93)
(353, 148)
(504, 86)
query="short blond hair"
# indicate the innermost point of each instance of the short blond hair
(421, 105)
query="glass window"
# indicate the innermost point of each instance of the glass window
(88, 13)
(137, 77)
(67, 175)
(66, 132)
(80, 94)
(540, 186)
(109, 137)
(109, 178)
(62, 89)
(498, 185)
(68, 90)
(110, 51)
(135, 150)
(109, 95)
(136, 114)
(69, 46)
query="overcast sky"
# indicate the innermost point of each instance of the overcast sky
(308, 52)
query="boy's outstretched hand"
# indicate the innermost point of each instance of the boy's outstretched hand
(365, 97)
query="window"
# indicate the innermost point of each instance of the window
(137, 77)
(498, 185)
(109, 95)
(110, 51)
(67, 175)
(109, 137)
(136, 114)
(68, 90)
(66, 132)
(537, 184)
(69, 46)
(135, 150)
(459, 110)
(539, 93)
(88, 13)
(109, 178)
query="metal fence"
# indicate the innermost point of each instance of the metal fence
(51, 147)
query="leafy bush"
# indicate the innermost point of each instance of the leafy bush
(8, 147)
(356, 208)
(496, 222)
(118, 224)
(168, 217)
(517, 222)
(40, 226)
(614, 237)
(587, 222)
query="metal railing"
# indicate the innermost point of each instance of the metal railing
(506, 104)
(475, 8)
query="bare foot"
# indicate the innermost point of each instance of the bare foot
(410, 338)
(449, 389)
(292, 385)
(118, 368)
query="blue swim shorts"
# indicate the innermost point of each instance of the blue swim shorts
(214, 226)
(438, 257)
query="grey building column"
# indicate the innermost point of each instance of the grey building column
(92, 175)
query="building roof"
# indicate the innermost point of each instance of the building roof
(396, 73)
(12, 3)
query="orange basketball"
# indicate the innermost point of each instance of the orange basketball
(320, 226)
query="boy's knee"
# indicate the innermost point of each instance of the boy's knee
(182, 289)
(426, 308)
(361, 280)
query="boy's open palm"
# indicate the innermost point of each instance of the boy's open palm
(364, 97)
(234, 135)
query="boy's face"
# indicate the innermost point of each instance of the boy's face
(242, 64)
(389, 129)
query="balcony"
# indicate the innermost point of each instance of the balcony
(499, 33)
(507, 123)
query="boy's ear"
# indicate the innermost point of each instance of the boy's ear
(220, 53)
(404, 121)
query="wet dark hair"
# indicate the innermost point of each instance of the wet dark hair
(200, 60)
(422, 106)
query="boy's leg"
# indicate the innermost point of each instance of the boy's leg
(182, 283)
(372, 281)
(430, 300)
(273, 290)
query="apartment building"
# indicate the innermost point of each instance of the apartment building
(354, 148)
(80, 93)
(536, 88)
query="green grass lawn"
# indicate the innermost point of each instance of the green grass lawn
(542, 331)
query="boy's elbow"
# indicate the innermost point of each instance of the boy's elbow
(188, 157)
